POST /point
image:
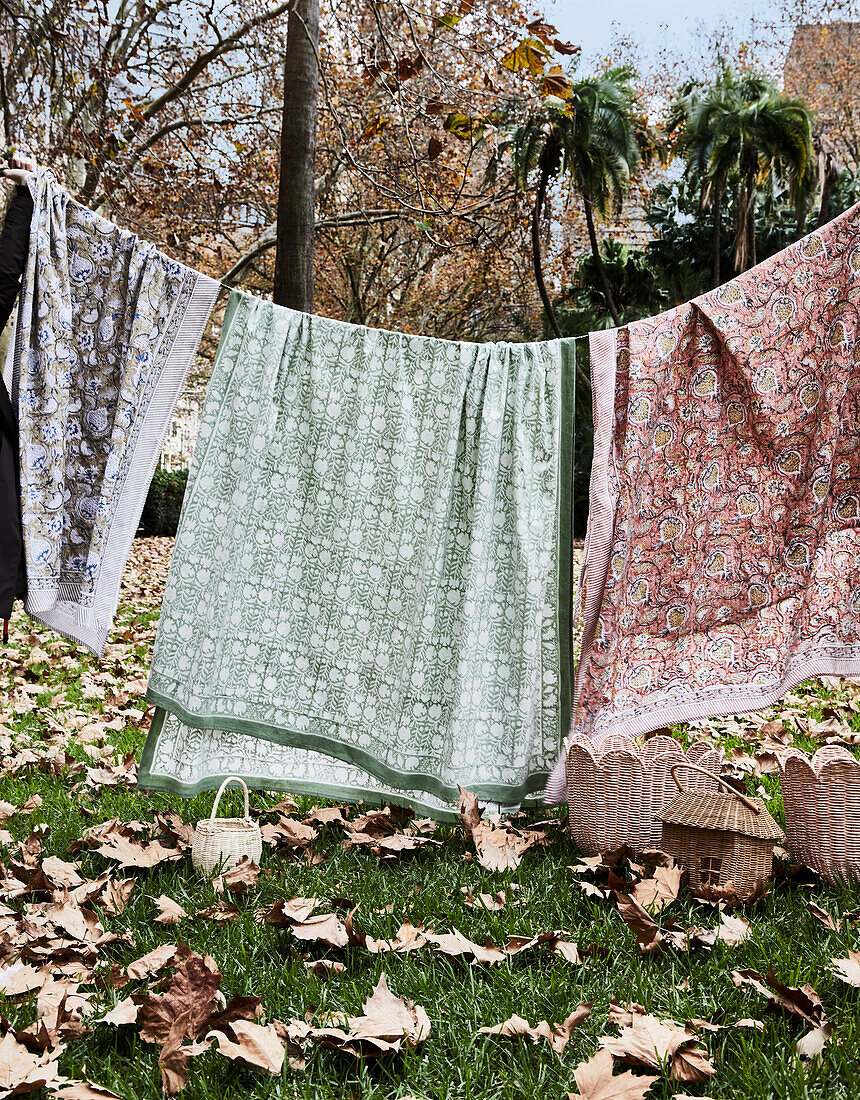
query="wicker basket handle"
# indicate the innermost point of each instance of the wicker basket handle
(241, 782)
(695, 768)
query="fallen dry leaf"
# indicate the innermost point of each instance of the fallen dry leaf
(595, 1081)
(84, 1090)
(848, 970)
(454, 943)
(257, 1045)
(116, 894)
(152, 961)
(803, 1002)
(242, 876)
(657, 892)
(191, 990)
(21, 1071)
(557, 1035)
(19, 978)
(652, 1042)
(498, 847)
(169, 911)
(387, 1023)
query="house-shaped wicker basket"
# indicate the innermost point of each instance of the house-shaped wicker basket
(720, 840)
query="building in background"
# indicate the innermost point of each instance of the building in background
(823, 68)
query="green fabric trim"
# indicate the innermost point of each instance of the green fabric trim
(407, 781)
(565, 534)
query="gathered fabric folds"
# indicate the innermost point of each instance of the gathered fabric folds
(369, 595)
(107, 329)
(722, 561)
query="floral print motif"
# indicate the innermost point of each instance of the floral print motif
(733, 567)
(107, 328)
(364, 592)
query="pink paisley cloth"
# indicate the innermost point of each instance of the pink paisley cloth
(722, 558)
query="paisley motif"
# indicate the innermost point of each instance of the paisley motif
(764, 473)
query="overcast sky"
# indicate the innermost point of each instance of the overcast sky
(681, 26)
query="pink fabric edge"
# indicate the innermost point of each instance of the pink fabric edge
(598, 536)
(744, 700)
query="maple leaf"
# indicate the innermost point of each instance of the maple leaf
(324, 968)
(848, 970)
(387, 1023)
(21, 1071)
(191, 990)
(116, 894)
(595, 1081)
(661, 889)
(132, 853)
(498, 847)
(173, 1058)
(455, 943)
(169, 911)
(530, 54)
(651, 1042)
(257, 1045)
(84, 1090)
(21, 978)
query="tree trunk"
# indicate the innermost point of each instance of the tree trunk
(543, 180)
(294, 256)
(718, 213)
(598, 262)
(744, 255)
(831, 175)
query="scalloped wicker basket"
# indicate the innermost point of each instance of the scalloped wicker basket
(617, 789)
(219, 843)
(822, 810)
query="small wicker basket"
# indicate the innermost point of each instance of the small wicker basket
(822, 810)
(219, 843)
(720, 840)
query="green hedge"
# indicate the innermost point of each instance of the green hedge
(164, 502)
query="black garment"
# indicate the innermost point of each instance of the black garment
(14, 242)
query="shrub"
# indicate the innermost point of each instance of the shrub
(164, 502)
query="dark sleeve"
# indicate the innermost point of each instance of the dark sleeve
(14, 242)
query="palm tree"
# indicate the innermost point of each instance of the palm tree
(590, 137)
(742, 130)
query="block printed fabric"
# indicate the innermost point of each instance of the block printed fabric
(722, 561)
(369, 595)
(107, 328)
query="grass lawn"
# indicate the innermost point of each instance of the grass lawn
(59, 704)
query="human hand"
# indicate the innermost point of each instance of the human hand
(21, 167)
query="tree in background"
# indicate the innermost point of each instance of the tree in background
(741, 128)
(293, 283)
(587, 133)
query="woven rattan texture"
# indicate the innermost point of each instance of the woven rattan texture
(714, 858)
(617, 789)
(708, 810)
(822, 811)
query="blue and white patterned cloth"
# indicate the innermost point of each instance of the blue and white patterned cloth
(107, 328)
